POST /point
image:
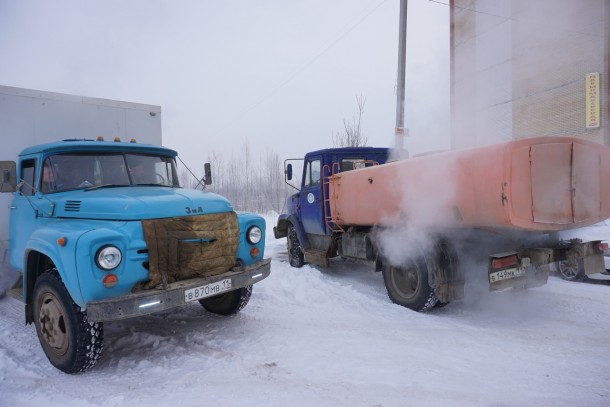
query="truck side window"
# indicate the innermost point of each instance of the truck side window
(313, 174)
(348, 164)
(27, 175)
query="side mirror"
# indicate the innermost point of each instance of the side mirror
(8, 176)
(208, 174)
(289, 172)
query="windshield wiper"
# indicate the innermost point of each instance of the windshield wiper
(155, 185)
(105, 186)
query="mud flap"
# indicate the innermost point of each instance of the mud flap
(592, 255)
(449, 291)
(446, 277)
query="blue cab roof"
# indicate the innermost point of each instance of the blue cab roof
(350, 150)
(71, 145)
(346, 151)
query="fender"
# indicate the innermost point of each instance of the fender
(44, 242)
(298, 227)
(245, 221)
(129, 239)
(281, 229)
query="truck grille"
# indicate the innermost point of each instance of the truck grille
(190, 246)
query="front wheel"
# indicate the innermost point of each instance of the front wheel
(71, 343)
(295, 253)
(408, 285)
(228, 303)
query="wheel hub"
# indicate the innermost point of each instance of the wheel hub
(568, 269)
(405, 280)
(52, 323)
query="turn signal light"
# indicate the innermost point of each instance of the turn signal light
(62, 241)
(110, 280)
(602, 247)
(255, 251)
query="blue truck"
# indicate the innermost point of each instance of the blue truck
(424, 232)
(102, 231)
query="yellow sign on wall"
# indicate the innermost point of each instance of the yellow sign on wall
(592, 94)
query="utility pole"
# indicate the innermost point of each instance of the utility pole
(400, 83)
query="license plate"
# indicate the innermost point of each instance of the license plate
(207, 290)
(505, 275)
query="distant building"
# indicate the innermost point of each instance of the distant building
(526, 68)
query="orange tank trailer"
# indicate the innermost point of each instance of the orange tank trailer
(536, 184)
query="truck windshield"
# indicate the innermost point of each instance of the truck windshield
(64, 172)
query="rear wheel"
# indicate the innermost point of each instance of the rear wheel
(408, 284)
(228, 303)
(71, 343)
(295, 252)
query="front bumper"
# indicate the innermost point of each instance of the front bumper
(154, 300)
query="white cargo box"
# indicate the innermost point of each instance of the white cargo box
(30, 117)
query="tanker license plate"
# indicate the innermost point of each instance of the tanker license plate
(207, 290)
(505, 275)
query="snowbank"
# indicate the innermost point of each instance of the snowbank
(332, 338)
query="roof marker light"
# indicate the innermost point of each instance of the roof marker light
(100, 138)
(117, 139)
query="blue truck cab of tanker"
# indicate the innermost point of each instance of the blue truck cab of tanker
(78, 210)
(308, 209)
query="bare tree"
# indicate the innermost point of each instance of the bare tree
(352, 136)
(254, 186)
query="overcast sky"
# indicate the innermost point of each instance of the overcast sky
(277, 74)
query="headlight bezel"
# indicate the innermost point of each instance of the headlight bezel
(102, 261)
(254, 234)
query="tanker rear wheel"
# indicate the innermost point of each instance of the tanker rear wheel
(408, 285)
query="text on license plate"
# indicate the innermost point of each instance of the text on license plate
(207, 290)
(505, 274)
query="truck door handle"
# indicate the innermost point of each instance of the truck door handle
(12, 207)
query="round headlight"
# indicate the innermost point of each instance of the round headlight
(108, 257)
(254, 235)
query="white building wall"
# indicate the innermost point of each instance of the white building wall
(519, 68)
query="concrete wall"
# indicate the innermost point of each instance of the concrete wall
(519, 69)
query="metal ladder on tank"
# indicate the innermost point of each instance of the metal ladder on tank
(330, 223)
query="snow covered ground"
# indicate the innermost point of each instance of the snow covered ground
(313, 337)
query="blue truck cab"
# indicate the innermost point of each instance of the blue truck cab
(103, 231)
(310, 233)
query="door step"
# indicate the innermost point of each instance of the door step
(317, 257)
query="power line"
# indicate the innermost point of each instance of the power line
(348, 29)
